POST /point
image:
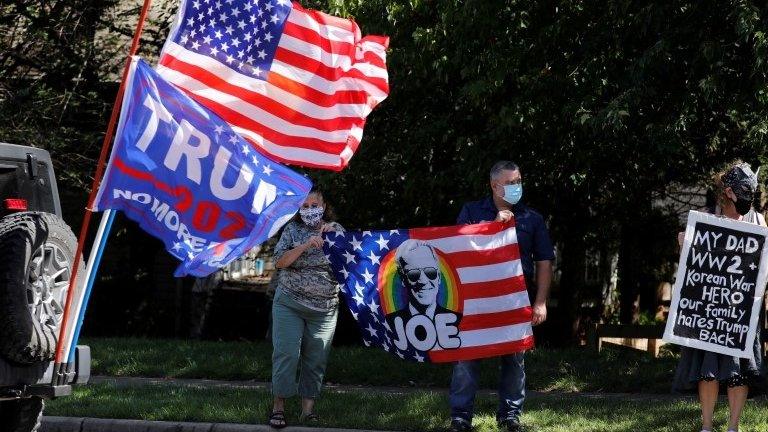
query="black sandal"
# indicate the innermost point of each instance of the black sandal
(310, 418)
(277, 420)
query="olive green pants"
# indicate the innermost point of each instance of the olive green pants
(301, 341)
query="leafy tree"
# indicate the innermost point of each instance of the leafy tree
(603, 104)
(608, 107)
(59, 68)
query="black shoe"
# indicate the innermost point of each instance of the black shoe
(458, 425)
(510, 425)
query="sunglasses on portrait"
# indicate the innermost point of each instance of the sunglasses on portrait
(414, 275)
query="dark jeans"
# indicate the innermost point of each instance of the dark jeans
(464, 384)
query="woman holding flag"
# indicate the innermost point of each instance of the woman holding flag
(304, 310)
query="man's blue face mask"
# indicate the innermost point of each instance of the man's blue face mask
(513, 193)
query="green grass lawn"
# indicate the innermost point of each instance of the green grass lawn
(419, 411)
(615, 369)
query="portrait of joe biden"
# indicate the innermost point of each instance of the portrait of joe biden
(419, 272)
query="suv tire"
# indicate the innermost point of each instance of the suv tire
(36, 255)
(22, 415)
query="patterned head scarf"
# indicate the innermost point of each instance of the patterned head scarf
(742, 181)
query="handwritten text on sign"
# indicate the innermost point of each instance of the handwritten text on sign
(719, 286)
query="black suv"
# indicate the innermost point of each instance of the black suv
(37, 251)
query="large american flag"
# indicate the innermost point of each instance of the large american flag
(492, 298)
(296, 83)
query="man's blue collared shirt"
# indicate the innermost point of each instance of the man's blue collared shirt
(532, 235)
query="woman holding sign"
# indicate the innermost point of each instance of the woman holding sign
(704, 371)
(304, 310)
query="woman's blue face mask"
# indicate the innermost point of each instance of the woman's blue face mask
(513, 193)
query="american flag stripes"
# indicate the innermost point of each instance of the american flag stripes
(296, 83)
(481, 281)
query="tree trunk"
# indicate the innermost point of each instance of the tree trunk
(609, 264)
(573, 258)
(628, 277)
(203, 291)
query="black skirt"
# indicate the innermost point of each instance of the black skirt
(698, 365)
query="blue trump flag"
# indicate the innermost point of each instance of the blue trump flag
(182, 173)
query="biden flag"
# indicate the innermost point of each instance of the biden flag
(435, 294)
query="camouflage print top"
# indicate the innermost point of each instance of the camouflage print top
(309, 279)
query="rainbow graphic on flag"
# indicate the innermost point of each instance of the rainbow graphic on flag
(394, 295)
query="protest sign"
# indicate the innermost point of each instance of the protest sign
(719, 287)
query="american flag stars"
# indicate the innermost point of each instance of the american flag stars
(382, 243)
(239, 33)
(359, 288)
(373, 307)
(349, 257)
(372, 331)
(368, 276)
(374, 258)
(356, 244)
(358, 257)
(358, 297)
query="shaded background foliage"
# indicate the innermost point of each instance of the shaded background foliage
(617, 112)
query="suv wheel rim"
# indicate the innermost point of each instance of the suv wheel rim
(48, 283)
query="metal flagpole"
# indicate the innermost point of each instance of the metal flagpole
(94, 259)
(59, 376)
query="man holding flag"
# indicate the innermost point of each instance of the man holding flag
(535, 251)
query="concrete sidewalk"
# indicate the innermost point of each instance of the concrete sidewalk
(80, 424)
